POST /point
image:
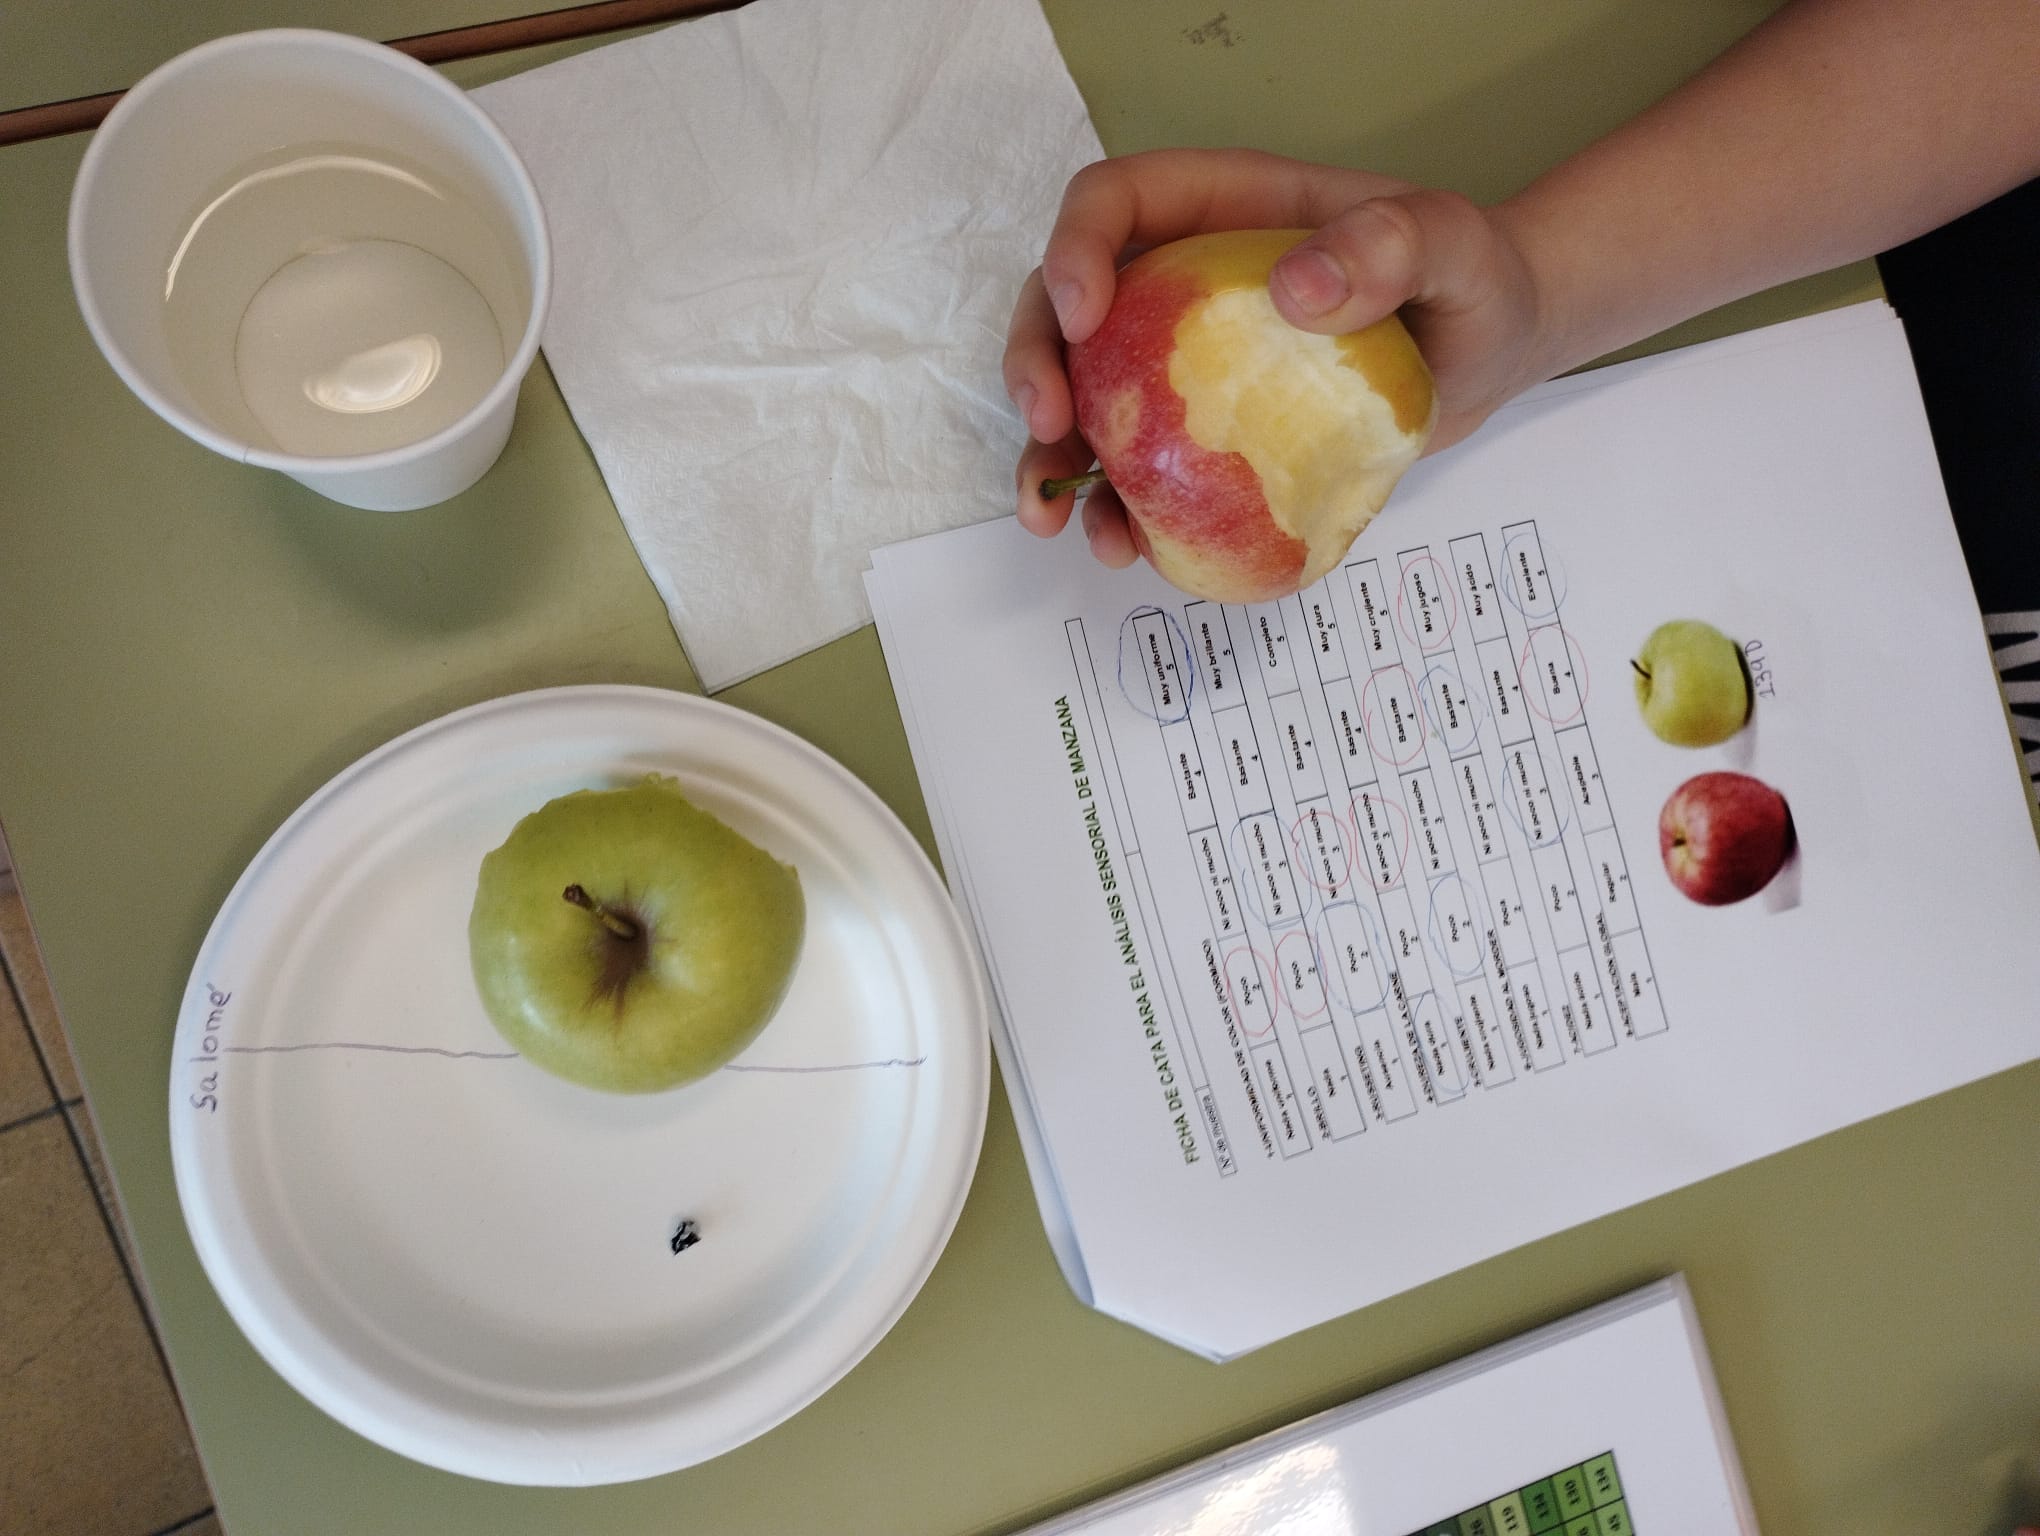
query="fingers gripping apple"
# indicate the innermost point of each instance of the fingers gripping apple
(1249, 454)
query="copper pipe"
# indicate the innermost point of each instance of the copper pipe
(84, 112)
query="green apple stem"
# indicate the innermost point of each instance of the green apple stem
(1050, 489)
(1641, 670)
(614, 921)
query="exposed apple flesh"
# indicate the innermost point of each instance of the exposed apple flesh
(1723, 836)
(628, 940)
(1249, 454)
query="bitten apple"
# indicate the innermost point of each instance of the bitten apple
(628, 940)
(1723, 836)
(1249, 454)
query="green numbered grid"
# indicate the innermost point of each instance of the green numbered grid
(1585, 1500)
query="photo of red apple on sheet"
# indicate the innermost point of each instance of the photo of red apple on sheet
(1723, 835)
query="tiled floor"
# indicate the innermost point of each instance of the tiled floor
(92, 1442)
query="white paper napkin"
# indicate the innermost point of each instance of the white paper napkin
(787, 241)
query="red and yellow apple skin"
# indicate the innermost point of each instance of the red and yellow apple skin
(1249, 454)
(1723, 836)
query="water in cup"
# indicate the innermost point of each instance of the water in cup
(332, 300)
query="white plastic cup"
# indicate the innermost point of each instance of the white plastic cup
(184, 132)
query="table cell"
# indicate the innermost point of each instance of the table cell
(1528, 582)
(1479, 816)
(1604, 1483)
(1186, 769)
(1153, 657)
(1250, 989)
(1581, 771)
(1507, 920)
(1501, 692)
(1321, 627)
(1260, 635)
(1296, 971)
(1239, 752)
(1432, 842)
(1371, 601)
(1214, 1128)
(1509, 1516)
(1573, 1496)
(1426, 607)
(1291, 1133)
(1342, 703)
(1531, 1008)
(1474, 581)
(1540, 1505)
(1485, 1038)
(1638, 985)
(1351, 951)
(1382, 1064)
(1437, 1049)
(1211, 650)
(1609, 876)
(1404, 943)
(1297, 744)
(1613, 1520)
(1529, 800)
(1455, 938)
(1554, 675)
(1557, 895)
(1586, 1012)
(1382, 827)
(1335, 1105)
(1452, 709)
(1324, 849)
(1221, 899)
(1267, 883)
(1392, 717)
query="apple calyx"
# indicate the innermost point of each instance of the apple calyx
(1050, 489)
(625, 946)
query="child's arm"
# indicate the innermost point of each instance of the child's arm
(1834, 130)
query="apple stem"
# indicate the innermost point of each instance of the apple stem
(1641, 670)
(1051, 489)
(615, 922)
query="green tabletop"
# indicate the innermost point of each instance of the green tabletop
(192, 648)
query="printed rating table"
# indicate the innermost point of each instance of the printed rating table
(1404, 882)
(1585, 1500)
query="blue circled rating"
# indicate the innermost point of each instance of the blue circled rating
(1157, 675)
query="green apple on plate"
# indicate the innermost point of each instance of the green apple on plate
(1691, 684)
(628, 940)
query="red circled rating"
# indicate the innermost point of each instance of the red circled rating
(1553, 672)
(1426, 607)
(1250, 983)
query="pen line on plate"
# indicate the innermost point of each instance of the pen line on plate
(436, 1050)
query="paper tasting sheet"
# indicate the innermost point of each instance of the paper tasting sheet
(1604, 1424)
(1331, 936)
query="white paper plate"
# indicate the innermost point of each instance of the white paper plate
(468, 1260)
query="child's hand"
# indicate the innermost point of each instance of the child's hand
(1465, 291)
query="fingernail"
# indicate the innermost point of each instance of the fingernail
(1315, 283)
(1065, 296)
(1023, 400)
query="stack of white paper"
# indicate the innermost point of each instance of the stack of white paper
(1607, 1422)
(1332, 939)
